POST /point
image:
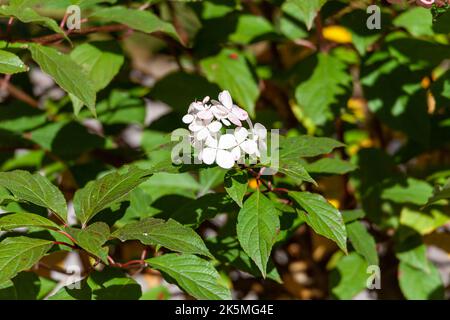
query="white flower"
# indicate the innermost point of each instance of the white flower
(225, 110)
(219, 151)
(259, 133)
(202, 129)
(248, 146)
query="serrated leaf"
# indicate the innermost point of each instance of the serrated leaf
(320, 215)
(419, 285)
(10, 63)
(307, 9)
(230, 71)
(236, 183)
(100, 60)
(28, 15)
(320, 91)
(295, 170)
(257, 227)
(169, 234)
(66, 73)
(144, 21)
(34, 188)
(19, 220)
(193, 274)
(101, 193)
(20, 253)
(92, 238)
(363, 242)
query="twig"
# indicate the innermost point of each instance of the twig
(19, 94)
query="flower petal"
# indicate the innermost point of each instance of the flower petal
(240, 113)
(198, 106)
(225, 159)
(214, 126)
(205, 115)
(227, 141)
(226, 122)
(188, 118)
(209, 155)
(211, 142)
(235, 120)
(225, 99)
(196, 126)
(205, 99)
(240, 134)
(260, 130)
(236, 152)
(203, 134)
(249, 146)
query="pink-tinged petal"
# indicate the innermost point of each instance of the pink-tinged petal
(195, 126)
(211, 142)
(226, 122)
(234, 120)
(209, 155)
(188, 118)
(236, 152)
(203, 134)
(225, 99)
(227, 141)
(240, 134)
(214, 126)
(198, 106)
(219, 111)
(225, 159)
(240, 113)
(205, 115)
(205, 99)
(249, 146)
(260, 130)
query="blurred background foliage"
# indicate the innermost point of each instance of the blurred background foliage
(305, 67)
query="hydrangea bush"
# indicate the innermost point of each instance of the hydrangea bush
(321, 170)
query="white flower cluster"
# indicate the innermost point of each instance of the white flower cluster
(206, 120)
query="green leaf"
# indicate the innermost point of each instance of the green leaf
(144, 21)
(171, 235)
(92, 238)
(316, 94)
(34, 188)
(320, 215)
(250, 28)
(76, 291)
(306, 146)
(409, 191)
(193, 274)
(229, 69)
(419, 285)
(424, 222)
(113, 284)
(66, 73)
(363, 242)
(257, 228)
(236, 183)
(20, 253)
(19, 220)
(294, 169)
(349, 277)
(307, 9)
(28, 15)
(27, 286)
(102, 193)
(330, 166)
(10, 63)
(100, 60)
(440, 193)
(210, 178)
(409, 248)
(418, 21)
